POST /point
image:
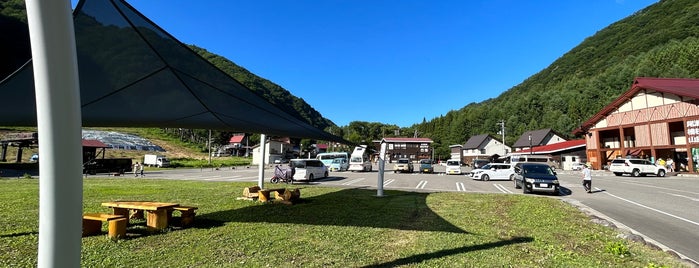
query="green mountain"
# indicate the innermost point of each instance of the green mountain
(661, 40)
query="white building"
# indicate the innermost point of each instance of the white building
(483, 147)
(274, 149)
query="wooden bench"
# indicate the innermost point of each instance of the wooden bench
(92, 224)
(186, 218)
(263, 194)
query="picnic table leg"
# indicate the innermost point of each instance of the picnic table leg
(121, 211)
(157, 219)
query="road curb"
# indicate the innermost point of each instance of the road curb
(627, 232)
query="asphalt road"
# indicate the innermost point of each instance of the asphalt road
(665, 211)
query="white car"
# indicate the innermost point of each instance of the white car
(453, 167)
(497, 171)
(577, 166)
(636, 167)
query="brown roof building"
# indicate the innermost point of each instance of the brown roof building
(656, 118)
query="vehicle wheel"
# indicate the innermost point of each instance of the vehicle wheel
(517, 185)
(618, 173)
(635, 173)
(274, 180)
(395, 171)
(485, 177)
(558, 191)
(661, 173)
(512, 177)
(310, 177)
(326, 174)
(524, 189)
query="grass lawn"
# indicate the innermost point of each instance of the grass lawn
(331, 227)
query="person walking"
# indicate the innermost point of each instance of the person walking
(141, 170)
(670, 165)
(136, 167)
(587, 178)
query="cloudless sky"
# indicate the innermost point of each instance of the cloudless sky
(388, 61)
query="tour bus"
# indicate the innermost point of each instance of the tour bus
(360, 159)
(514, 159)
(327, 158)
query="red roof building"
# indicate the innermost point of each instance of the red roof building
(655, 118)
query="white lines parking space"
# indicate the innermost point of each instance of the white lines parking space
(387, 182)
(502, 188)
(354, 181)
(421, 185)
(460, 187)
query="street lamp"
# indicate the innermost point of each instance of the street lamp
(530, 144)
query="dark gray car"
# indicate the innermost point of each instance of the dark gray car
(536, 177)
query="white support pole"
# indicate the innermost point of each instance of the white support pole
(382, 164)
(261, 170)
(57, 92)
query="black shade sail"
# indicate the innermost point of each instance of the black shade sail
(134, 74)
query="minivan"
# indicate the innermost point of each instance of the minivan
(453, 167)
(308, 169)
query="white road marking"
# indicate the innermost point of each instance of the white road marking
(690, 198)
(421, 185)
(650, 208)
(502, 188)
(385, 183)
(460, 187)
(353, 181)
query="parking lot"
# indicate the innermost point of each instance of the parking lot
(664, 210)
(415, 181)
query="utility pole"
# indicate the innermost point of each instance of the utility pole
(502, 131)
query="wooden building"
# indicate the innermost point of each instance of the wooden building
(656, 118)
(411, 148)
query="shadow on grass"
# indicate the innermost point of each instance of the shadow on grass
(349, 207)
(443, 253)
(19, 234)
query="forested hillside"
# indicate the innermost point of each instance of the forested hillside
(660, 41)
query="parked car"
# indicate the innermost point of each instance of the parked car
(426, 166)
(498, 171)
(339, 164)
(403, 165)
(478, 163)
(577, 166)
(281, 161)
(636, 167)
(453, 167)
(536, 177)
(308, 169)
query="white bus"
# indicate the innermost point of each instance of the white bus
(327, 158)
(514, 159)
(360, 159)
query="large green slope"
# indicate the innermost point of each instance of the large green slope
(658, 41)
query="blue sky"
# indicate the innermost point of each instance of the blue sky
(389, 61)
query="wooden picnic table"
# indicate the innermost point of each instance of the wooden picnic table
(158, 212)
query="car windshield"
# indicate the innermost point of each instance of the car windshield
(425, 161)
(452, 163)
(403, 161)
(538, 169)
(486, 167)
(337, 161)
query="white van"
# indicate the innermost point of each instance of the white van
(453, 167)
(529, 158)
(308, 169)
(359, 160)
